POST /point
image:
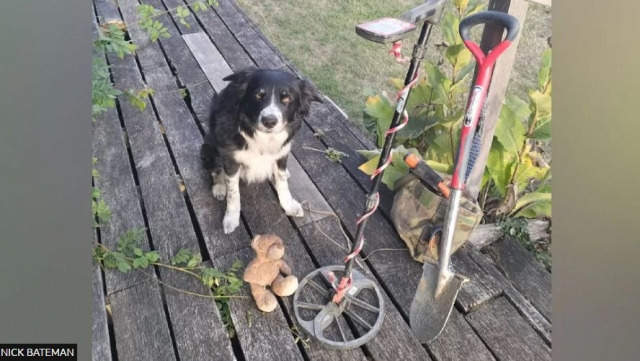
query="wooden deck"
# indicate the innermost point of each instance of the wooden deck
(150, 176)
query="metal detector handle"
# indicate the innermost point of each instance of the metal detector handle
(497, 17)
(429, 11)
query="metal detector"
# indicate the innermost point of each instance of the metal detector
(332, 298)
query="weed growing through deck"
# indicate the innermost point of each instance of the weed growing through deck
(100, 213)
(332, 154)
(112, 39)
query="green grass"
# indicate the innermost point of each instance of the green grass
(319, 38)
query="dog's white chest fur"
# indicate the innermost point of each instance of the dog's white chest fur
(259, 158)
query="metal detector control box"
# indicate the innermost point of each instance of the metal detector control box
(385, 30)
(390, 30)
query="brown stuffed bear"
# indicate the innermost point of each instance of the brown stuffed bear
(267, 269)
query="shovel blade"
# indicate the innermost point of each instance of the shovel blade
(429, 312)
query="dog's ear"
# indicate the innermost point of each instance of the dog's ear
(308, 94)
(241, 76)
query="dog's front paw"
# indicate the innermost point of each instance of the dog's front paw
(219, 191)
(230, 222)
(293, 208)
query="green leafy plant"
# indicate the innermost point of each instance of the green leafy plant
(516, 180)
(112, 39)
(154, 28)
(100, 212)
(129, 256)
(139, 98)
(515, 164)
(103, 93)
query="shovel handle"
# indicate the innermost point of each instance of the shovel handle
(485, 63)
(497, 17)
(485, 17)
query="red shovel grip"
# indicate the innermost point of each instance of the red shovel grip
(479, 92)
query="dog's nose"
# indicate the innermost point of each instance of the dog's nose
(269, 121)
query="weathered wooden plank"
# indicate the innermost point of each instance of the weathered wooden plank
(197, 326)
(334, 134)
(480, 287)
(258, 50)
(492, 35)
(142, 333)
(108, 12)
(185, 140)
(210, 60)
(227, 44)
(395, 341)
(262, 336)
(100, 343)
(524, 272)
(182, 61)
(506, 333)
(529, 312)
(452, 342)
(119, 192)
(304, 191)
(485, 234)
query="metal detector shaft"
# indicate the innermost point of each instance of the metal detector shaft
(416, 59)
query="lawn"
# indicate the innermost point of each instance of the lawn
(319, 38)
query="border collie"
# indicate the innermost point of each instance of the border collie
(251, 125)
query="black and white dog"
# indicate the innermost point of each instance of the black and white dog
(251, 125)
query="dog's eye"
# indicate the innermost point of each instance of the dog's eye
(259, 96)
(286, 99)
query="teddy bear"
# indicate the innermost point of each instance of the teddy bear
(269, 269)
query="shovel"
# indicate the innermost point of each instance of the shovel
(439, 285)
